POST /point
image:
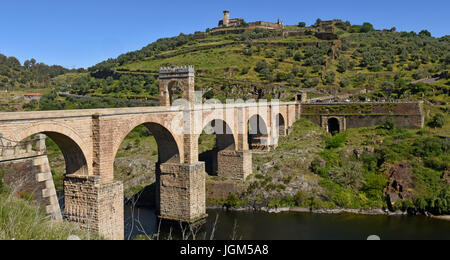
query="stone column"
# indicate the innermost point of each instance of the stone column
(103, 142)
(164, 97)
(182, 192)
(29, 147)
(242, 128)
(282, 131)
(41, 143)
(94, 206)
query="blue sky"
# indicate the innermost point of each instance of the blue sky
(82, 33)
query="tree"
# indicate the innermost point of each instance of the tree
(366, 27)
(318, 21)
(298, 56)
(387, 87)
(301, 24)
(261, 66)
(311, 82)
(330, 77)
(295, 70)
(342, 65)
(344, 83)
(425, 33)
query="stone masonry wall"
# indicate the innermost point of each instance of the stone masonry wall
(94, 206)
(405, 115)
(182, 192)
(234, 165)
(32, 177)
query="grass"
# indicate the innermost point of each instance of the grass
(21, 220)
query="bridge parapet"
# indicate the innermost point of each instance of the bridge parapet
(12, 150)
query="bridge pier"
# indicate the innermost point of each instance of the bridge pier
(182, 195)
(234, 164)
(95, 206)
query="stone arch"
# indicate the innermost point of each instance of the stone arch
(75, 151)
(281, 125)
(225, 143)
(221, 127)
(258, 132)
(333, 125)
(169, 149)
(175, 90)
(183, 76)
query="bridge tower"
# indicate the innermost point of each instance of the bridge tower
(176, 79)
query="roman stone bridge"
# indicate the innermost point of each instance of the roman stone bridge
(90, 140)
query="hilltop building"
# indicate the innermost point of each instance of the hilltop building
(227, 22)
(239, 22)
(32, 96)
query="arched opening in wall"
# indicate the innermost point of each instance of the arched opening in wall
(333, 126)
(257, 133)
(216, 137)
(281, 126)
(175, 91)
(137, 164)
(40, 163)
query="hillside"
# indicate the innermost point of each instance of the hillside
(327, 58)
(368, 168)
(378, 167)
(274, 64)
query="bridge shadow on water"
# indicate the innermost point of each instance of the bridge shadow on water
(143, 223)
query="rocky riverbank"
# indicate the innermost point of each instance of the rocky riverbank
(314, 211)
(447, 217)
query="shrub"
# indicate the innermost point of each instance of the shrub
(348, 175)
(232, 200)
(298, 56)
(374, 185)
(261, 66)
(438, 121)
(316, 165)
(389, 124)
(344, 83)
(245, 70)
(438, 163)
(342, 65)
(311, 82)
(336, 141)
(301, 198)
(209, 94)
(2, 175)
(330, 77)
(428, 147)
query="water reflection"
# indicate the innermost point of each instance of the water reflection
(292, 226)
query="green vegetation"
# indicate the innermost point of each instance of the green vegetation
(30, 75)
(22, 220)
(258, 63)
(353, 170)
(348, 170)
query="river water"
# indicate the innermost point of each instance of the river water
(293, 226)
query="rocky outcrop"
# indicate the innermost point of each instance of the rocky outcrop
(400, 182)
(446, 177)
